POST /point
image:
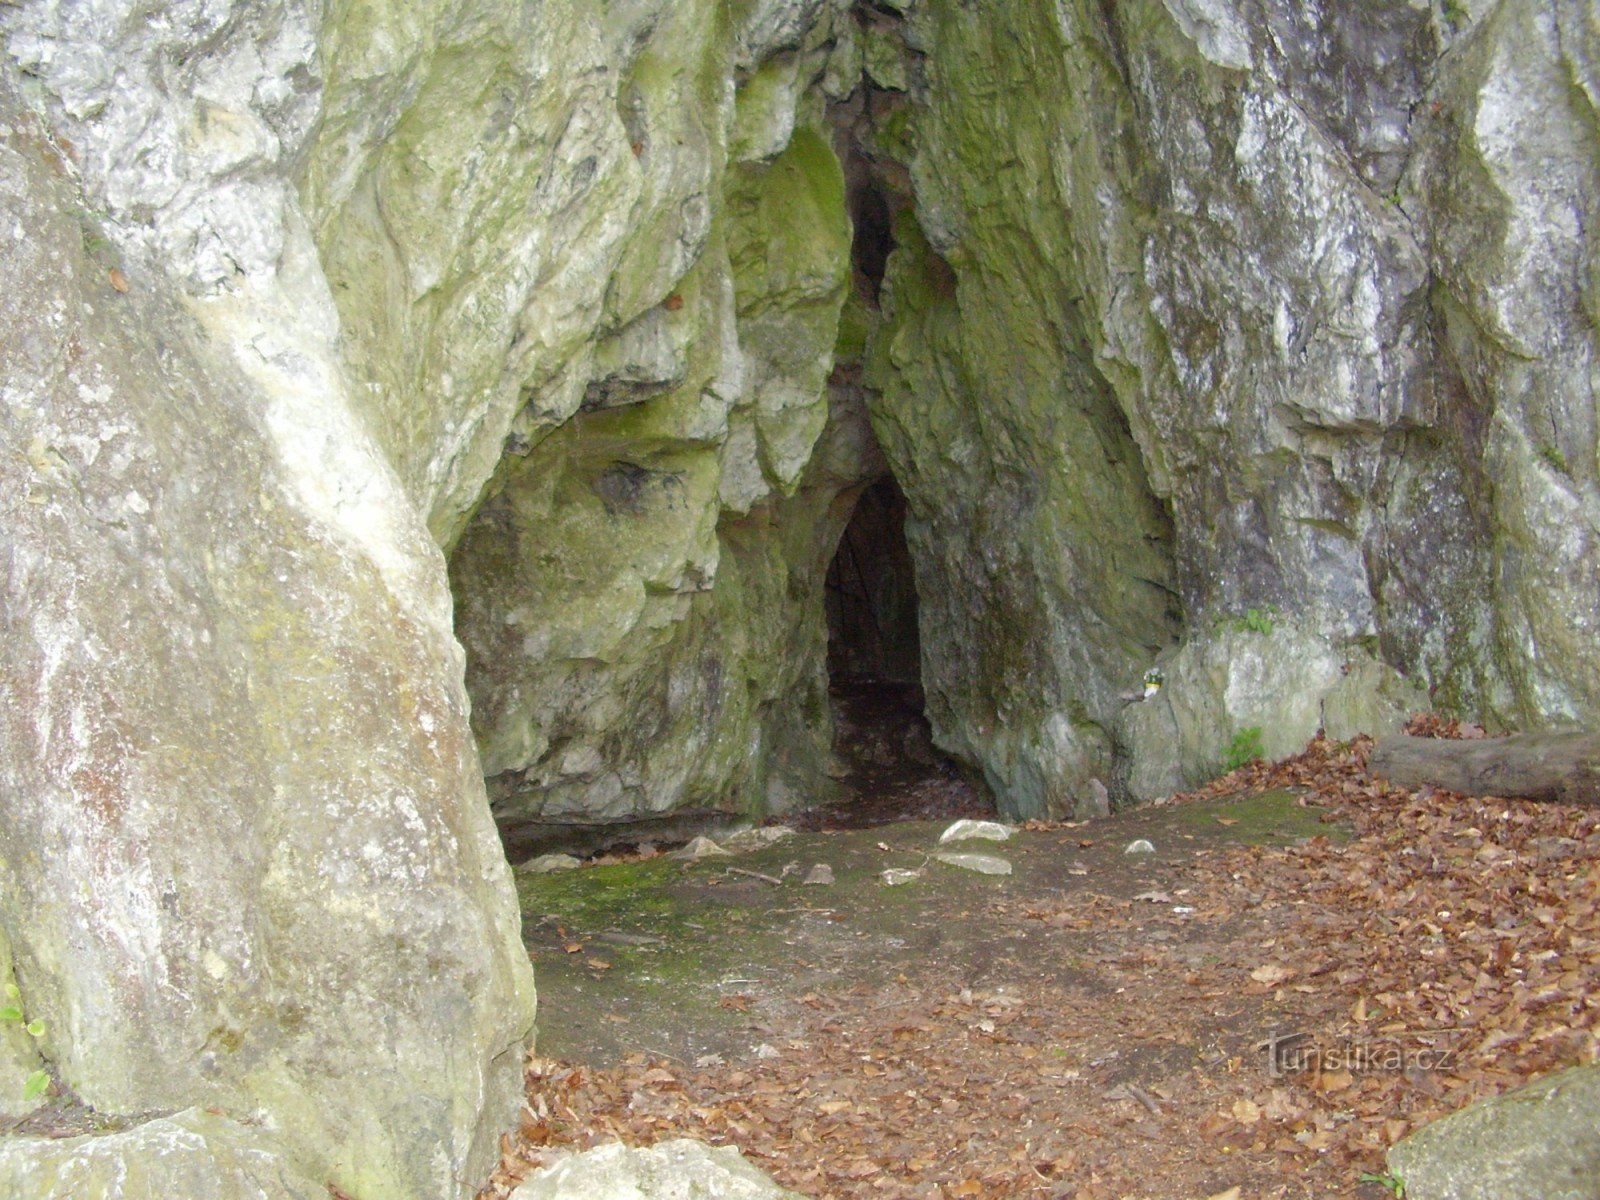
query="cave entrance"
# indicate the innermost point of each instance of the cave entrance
(892, 771)
(873, 637)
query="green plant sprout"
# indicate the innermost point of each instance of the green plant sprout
(1393, 1183)
(36, 1083)
(1245, 748)
(1256, 620)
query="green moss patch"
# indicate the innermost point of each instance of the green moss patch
(1272, 818)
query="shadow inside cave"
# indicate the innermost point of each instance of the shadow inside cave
(890, 769)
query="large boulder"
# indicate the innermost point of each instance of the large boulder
(246, 862)
(1540, 1142)
(192, 1154)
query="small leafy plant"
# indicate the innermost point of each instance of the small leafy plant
(1393, 1183)
(1256, 620)
(1245, 748)
(11, 1013)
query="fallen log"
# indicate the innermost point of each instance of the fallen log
(1563, 767)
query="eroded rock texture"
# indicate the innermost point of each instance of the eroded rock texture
(1222, 347)
(1247, 340)
(247, 864)
(1163, 364)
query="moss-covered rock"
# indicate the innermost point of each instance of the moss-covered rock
(245, 859)
(622, 593)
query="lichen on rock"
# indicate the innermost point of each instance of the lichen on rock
(370, 363)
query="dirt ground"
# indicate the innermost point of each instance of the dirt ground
(1305, 967)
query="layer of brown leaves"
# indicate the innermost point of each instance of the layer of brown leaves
(1449, 951)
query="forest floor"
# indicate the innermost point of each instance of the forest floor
(1307, 966)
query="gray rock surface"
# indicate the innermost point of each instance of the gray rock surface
(245, 858)
(1540, 1142)
(1251, 339)
(674, 1170)
(1238, 243)
(192, 1154)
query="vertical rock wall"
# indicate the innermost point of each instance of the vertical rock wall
(1503, 188)
(246, 863)
(1247, 340)
(1247, 270)
(245, 859)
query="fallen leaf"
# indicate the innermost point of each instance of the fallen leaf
(1271, 974)
(119, 281)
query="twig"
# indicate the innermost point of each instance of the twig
(772, 879)
(628, 939)
(1145, 1098)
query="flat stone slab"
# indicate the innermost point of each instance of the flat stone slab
(984, 864)
(677, 1170)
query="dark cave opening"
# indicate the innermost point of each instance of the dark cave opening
(873, 240)
(871, 595)
(882, 739)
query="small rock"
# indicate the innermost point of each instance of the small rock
(991, 831)
(1096, 802)
(546, 863)
(985, 864)
(1141, 846)
(673, 1170)
(821, 873)
(895, 876)
(701, 847)
(755, 839)
(768, 1050)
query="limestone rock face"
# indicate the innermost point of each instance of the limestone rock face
(1263, 310)
(1503, 184)
(362, 358)
(640, 594)
(245, 858)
